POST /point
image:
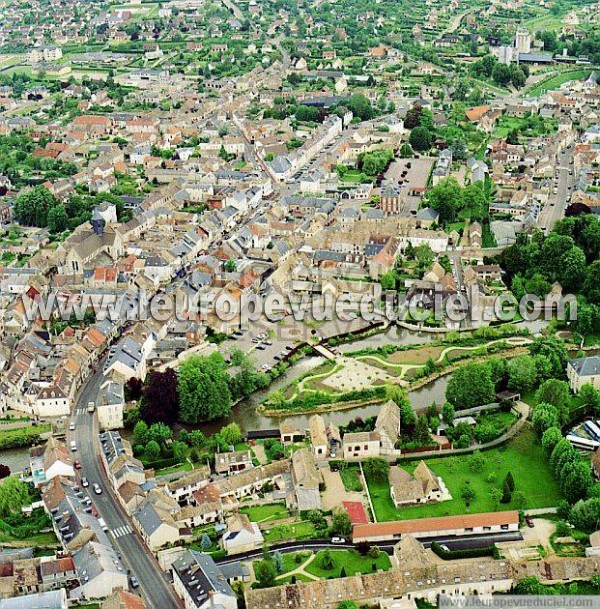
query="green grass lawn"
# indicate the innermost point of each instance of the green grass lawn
(352, 562)
(523, 457)
(284, 532)
(186, 466)
(350, 479)
(556, 81)
(271, 511)
(39, 539)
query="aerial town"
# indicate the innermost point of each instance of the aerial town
(299, 303)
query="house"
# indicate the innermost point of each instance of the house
(199, 582)
(289, 432)
(307, 480)
(100, 571)
(422, 487)
(234, 461)
(318, 436)
(155, 525)
(449, 526)
(49, 462)
(110, 404)
(387, 426)
(596, 463)
(123, 600)
(360, 445)
(56, 599)
(584, 371)
(241, 535)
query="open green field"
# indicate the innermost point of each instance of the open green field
(260, 513)
(352, 562)
(556, 81)
(523, 457)
(284, 532)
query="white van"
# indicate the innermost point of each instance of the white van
(73, 446)
(103, 524)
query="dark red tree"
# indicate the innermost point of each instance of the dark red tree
(161, 398)
(4, 471)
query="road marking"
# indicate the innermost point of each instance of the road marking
(122, 531)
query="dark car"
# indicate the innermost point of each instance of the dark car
(133, 582)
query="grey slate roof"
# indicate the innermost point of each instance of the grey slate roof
(586, 366)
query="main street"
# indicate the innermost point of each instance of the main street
(554, 209)
(154, 586)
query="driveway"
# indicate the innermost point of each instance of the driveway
(335, 492)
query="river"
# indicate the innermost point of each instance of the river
(244, 413)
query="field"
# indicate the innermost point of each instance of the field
(283, 532)
(556, 81)
(352, 562)
(261, 513)
(523, 457)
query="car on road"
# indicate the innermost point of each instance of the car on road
(338, 540)
(102, 524)
(97, 489)
(85, 482)
(133, 582)
(72, 426)
(76, 464)
(73, 446)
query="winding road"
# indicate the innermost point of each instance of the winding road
(154, 585)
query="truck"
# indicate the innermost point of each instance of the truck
(91, 407)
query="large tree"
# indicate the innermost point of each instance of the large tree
(14, 494)
(161, 397)
(420, 139)
(32, 207)
(471, 385)
(522, 373)
(555, 392)
(204, 392)
(446, 198)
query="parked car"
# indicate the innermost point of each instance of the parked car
(133, 582)
(76, 464)
(338, 540)
(85, 482)
(72, 426)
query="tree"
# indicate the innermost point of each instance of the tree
(265, 573)
(230, 265)
(588, 394)
(422, 434)
(506, 493)
(140, 434)
(205, 542)
(376, 468)
(152, 450)
(4, 471)
(577, 481)
(550, 438)
(585, 515)
(413, 117)
(58, 220)
(471, 385)
(406, 151)
(468, 494)
(520, 499)
(341, 524)
(474, 201)
(231, 434)
(360, 106)
(518, 77)
(446, 198)
(31, 208)
(374, 552)
(160, 433)
(552, 349)
(420, 139)
(501, 74)
(203, 387)
(448, 413)
(495, 495)
(522, 373)
(326, 561)
(161, 397)
(556, 393)
(476, 461)
(424, 256)
(278, 559)
(14, 494)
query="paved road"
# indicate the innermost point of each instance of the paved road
(453, 543)
(554, 210)
(154, 586)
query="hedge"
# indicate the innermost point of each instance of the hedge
(466, 553)
(24, 436)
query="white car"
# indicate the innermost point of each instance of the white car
(338, 540)
(72, 426)
(97, 489)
